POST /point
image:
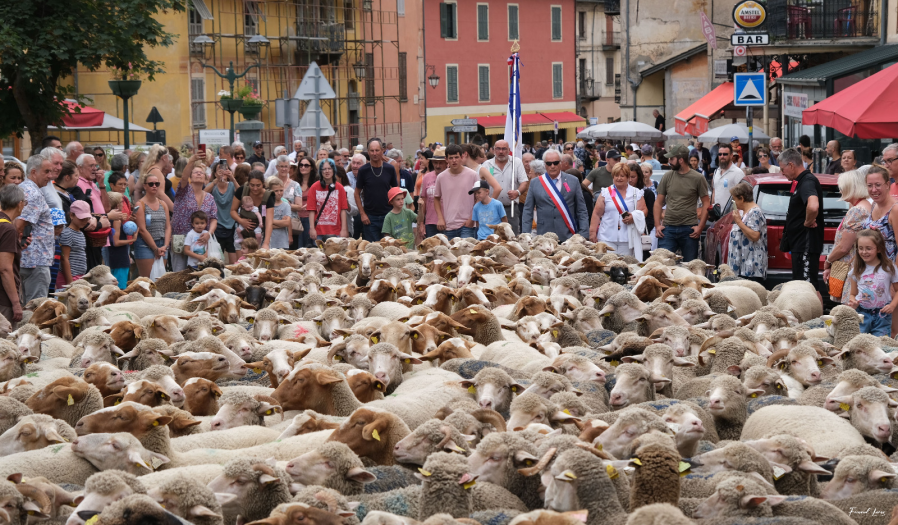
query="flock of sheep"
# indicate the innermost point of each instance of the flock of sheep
(515, 380)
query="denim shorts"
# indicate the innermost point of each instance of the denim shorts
(875, 322)
(142, 251)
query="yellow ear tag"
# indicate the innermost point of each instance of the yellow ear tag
(415, 335)
(555, 333)
(566, 411)
(514, 389)
(337, 358)
(472, 390)
(117, 401)
(251, 321)
(612, 472)
(71, 401)
(843, 406)
(420, 301)
(778, 473)
(268, 412)
(93, 520)
(754, 394)
(636, 461)
(407, 361)
(615, 363)
(459, 449)
(569, 475)
(607, 314)
(424, 472)
(318, 323)
(683, 467)
(828, 322)
(155, 423)
(378, 386)
(352, 267)
(468, 485)
(712, 351)
(163, 396)
(257, 370)
(27, 361)
(779, 387)
(473, 311)
(599, 446)
(374, 339)
(375, 435)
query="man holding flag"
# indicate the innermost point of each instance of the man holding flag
(558, 202)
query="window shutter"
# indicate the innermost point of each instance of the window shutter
(483, 21)
(557, 86)
(484, 83)
(452, 84)
(513, 33)
(609, 71)
(403, 76)
(444, 20)
(556, 23)
(198, 95)
(400, 7)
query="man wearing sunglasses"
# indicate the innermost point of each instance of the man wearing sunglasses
(557, 199)
(890, 162)
(726, 176)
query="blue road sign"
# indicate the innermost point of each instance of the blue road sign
(750, 89)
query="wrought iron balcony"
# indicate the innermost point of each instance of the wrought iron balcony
(822, 19)
(611, 40)
(320, 37)
(612, 7)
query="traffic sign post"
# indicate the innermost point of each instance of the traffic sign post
(739, 51)
(314, 87)
(464, 129)
(750, 89)
(465, 122)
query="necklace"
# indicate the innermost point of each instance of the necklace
(381, 171)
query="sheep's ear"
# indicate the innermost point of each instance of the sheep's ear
(679, 361)
(360, 475)
(410, 359)
(225, 498)
(633, 358)
(267, 409)
(201, 511)
(750, 502)
(880, 476)
(134, 457)
(734, 370)
(812, 468)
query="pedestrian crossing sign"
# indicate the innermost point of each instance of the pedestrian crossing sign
(750, 89)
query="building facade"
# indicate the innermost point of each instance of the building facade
(370, 51)
(598, 60)
(468, 45)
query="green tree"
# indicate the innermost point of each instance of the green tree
(42, 42)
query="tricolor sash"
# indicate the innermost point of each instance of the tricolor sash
(559, 202)
(619, 201)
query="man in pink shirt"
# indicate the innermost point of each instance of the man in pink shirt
(87, 186)
(427, 213)
(451, 200)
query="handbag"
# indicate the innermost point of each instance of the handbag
(838, 274)
(158, 269)
(177, 243)
(296, 223)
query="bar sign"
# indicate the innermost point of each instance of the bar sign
(745, 39)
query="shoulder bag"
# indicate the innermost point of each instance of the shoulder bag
(838, 274)
(330, 190)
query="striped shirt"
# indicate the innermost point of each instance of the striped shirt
(77, 255)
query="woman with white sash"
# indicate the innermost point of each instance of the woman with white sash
(618, 214)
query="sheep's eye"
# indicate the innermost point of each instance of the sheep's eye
(850, 480)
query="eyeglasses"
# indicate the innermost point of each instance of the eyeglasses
(240, 156)
(305, 165)
(552, 162)
(762, 156)
(101, 154)
(568, 149)
(889, 161)
(153, 184)
(723, 154)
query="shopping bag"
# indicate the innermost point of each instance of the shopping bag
(213, 249)
(158, 269)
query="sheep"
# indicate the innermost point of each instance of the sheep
(11, 411)
(629, 424)
(686, 420)
(188, 499)
(843, 324)
(480, 323)
(135, 509)
(498, 458)
(309, 421)
(362, 432)
(12, 363)
(34, 431)
(865, 353)
(493, 388)
(239, 408)
(28, 340)
(121, 451)
(331, 321)
(657, 471)
(147, 353)
(578, 480)
(352, 350)
(659, 360)
(869, 412)
(531, 408)
(856, 474)
(77, 299)
(253, 488)
(165, 377)
(385, 361)
(67, 398)
(621, 309)
(800, 298)
(633, 385)
(824, 431)
(432, 436)
(332, 465)
(102, 489)
(201, 396)
(95, 347)
(798, 366)
(764, 379)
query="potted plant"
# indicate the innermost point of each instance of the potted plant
(125, 81)
(228, 101)
(252, 104)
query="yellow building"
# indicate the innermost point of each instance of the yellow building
(362, 47)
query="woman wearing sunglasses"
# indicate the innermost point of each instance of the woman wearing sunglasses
(306, 175)
(153, 227)
(100, 156)
(764, 161)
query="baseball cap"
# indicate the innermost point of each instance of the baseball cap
(393, 193)
(257, 143)
(678, 150)
(80, 209)
(734, 138)
(57, 216)
(481, 184)
(612, 154)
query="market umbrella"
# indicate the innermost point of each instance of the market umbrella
(865, 110)
(594, 132)
(87, 117)
(672, 134)
(633, 130)
(106, 123)
(723, 134)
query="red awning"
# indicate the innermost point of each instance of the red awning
(564, 116)
(866, 109)
(527, 119)
(86, 118)
(704, 108)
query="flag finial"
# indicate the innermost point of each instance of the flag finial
(515, 47)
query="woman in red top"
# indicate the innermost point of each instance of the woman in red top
(327, 204)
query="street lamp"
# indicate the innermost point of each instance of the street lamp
(367, 5)
(433, 79)
(359, 68)
(258, 45)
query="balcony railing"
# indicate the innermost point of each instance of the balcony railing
(611, 40)
(612, 7)
(321, 37)
(822, 19)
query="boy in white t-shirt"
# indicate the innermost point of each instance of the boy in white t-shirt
(195, 251)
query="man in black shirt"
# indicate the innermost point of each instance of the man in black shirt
(374, 180)
(803, 232)
(258, 154)
(659, 121)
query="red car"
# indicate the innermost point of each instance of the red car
(772, 194)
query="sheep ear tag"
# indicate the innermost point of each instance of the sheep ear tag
(375, 435)
(612, 472)
(566, 411)
(257, 370)
(843, 406)
(473, 311)
(70, 401)
(828, 322)
(352, 267)
(472, 390)
(414, 336)
(778, 473)
(424, 472)
(636, 461)
(615, 363)
(555, 333)
(683, 468)
(374, 339)
(753, 395)
(93, 520)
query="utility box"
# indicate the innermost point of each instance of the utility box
(250, 131)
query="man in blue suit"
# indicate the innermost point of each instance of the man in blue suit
(558, 201)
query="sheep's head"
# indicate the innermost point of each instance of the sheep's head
(432, 436)
(857, 474)
(128, 416)
(633, 422)
(632, 386)
(120, 451)
(499, 456)
(493, 388)
(868, 409)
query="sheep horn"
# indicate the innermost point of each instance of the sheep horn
(783, 318)
(443, 413)
(329, 500)
(447, 437)
(540, 465)
(776, 356)
(713, 341)
(266, 399)
(489, 416)
(598, 453)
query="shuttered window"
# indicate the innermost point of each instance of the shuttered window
(198, 96)
(403, 77)
(556, 23)
(400, 7)
(483, 78)
(609, 70)
(483, 22)
(448, 28)
(451, 83)
(557, 82)
(513, 32)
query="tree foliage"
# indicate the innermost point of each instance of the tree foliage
(42, 41)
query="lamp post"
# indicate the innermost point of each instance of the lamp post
(433, 79)
(231, 105)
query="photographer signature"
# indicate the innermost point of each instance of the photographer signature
(867, 512)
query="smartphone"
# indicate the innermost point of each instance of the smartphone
(26, 232)
(625, 214)
(202, 148)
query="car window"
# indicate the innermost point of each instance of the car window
(773, 199)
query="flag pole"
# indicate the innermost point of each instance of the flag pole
(513, 85)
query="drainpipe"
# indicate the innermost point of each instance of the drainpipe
(424, 50)
(633, 83)
(883, 21)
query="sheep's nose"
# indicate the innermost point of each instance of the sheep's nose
(216, 424)
(486, 403)
(716, 403)
(290, 466)
(815, 376)
(617, 399)
(382, 376)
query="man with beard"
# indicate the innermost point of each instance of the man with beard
(680, 189)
